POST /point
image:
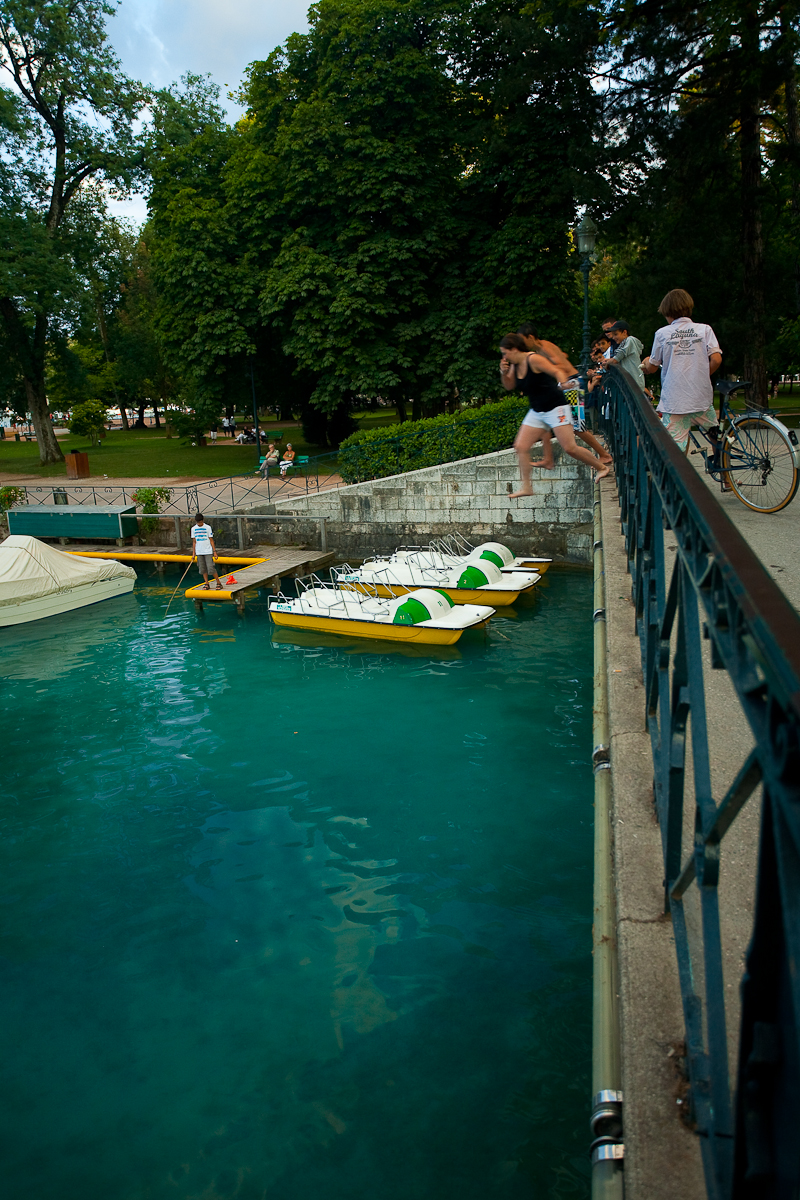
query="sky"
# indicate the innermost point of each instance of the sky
(160, 40)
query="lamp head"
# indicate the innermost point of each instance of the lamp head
(586, 234)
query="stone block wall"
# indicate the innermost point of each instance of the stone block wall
(470, 497)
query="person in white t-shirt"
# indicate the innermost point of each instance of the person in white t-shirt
(688, 353)
(204, 550)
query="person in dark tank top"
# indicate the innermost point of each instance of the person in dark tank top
(539, 345)
(538, 378)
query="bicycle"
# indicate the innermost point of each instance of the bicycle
(754, 455)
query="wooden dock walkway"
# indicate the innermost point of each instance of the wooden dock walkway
(264, 566)
(281, 561)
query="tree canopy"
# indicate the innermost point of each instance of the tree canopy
(398, 194)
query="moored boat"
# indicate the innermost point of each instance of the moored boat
(424, 616)
(495, 552)
(465, 581)
(37, 581)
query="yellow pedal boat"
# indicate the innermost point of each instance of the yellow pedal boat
(423, 616)
(464, 583)
(455, 549)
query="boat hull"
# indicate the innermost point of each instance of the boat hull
(495, 598)
(64, 601)
(530, 564)
(373, 630)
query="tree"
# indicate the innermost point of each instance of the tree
(397, 197)
(88, 419)
(705, 97)
(67, 118)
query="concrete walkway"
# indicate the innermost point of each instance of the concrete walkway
(775, 537)
(662, 1154)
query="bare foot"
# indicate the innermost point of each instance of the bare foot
(603, 472)
(541, 462)
(605, 457)
(523, 492)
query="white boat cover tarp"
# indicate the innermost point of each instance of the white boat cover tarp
(30, 569)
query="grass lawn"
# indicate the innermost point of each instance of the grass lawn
(145, 453)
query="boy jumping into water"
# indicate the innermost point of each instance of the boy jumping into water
(538, 379)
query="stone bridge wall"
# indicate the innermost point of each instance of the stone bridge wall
(470, 497)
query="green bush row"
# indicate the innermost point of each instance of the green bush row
(375, 453)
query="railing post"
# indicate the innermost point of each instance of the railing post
(607, 1148)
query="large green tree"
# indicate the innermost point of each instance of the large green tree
(67, 116)
(397, 196)
(703, 165)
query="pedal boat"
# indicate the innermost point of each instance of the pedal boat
(455, 549)
(467, 582)
(423, 617)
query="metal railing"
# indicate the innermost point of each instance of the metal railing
(719, 590)
(208, 495)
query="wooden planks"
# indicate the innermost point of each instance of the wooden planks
(283, 560)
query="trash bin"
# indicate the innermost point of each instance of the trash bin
(77, 465)
(60, 496)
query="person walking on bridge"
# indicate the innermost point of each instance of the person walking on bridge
(538, 379)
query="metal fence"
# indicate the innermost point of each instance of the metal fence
(208, 496)
(717, 589)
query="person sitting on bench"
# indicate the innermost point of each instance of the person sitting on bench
(287, 460)
(271, 459)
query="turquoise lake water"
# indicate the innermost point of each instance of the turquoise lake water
(287, 920)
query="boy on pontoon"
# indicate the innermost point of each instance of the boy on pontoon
(204, 550)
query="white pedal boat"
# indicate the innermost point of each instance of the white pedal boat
(457, 549)
(37, 581)
(464, 581)
(424, 617)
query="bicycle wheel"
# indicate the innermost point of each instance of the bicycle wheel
(758, 463)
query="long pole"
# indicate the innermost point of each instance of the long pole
(586, 361)
(255, 410)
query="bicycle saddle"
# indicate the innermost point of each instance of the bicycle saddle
(726, 387)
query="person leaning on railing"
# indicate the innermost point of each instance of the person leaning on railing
(688, 354)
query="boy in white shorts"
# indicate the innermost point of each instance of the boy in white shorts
(204, 550)
(538, 379)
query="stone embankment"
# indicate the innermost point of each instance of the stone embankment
(469, 497)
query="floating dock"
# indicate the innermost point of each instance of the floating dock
(264, 568)
(268, 572)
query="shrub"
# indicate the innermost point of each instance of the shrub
(151, 500)
(9, 496)
(375, 453)
(88, 419)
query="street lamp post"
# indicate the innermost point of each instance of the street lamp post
(586, 234)
(255, 410)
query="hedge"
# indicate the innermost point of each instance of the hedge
(374, 453)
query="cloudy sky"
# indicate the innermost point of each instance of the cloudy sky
(159, 40)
